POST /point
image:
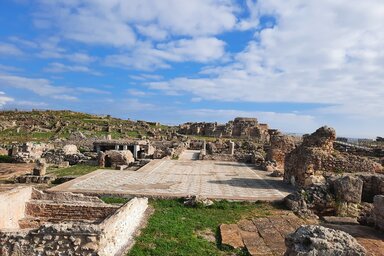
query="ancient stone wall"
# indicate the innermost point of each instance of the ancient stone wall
(315, 156)
(239, 127)
(280, 145)
(63, 211)
(119, 228)
(71, 224)
(52, 239)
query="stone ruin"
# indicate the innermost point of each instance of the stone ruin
(280, 146)
(332, 183)
(240, 127)
(115, 158)
(29, 152)
(307, 163)
(138, 148)
(228, 150)
(42, 223)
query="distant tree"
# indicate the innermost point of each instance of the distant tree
(379, 139)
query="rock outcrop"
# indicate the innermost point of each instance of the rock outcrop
(317, 240)
(306, 164)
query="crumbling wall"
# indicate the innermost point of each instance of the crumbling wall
(29, 151)
(280, 145)
(308, 162)
(52, 239)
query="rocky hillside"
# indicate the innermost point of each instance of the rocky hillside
(21, 126)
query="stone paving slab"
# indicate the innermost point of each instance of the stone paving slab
(180, 178)
(265, 236)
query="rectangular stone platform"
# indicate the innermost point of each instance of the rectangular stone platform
(180, 178)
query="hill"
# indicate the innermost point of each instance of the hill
(21, 126)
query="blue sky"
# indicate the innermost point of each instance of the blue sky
(296, 65)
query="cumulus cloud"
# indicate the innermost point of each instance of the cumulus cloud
(156, 19)
(318, 52)
(147, 56)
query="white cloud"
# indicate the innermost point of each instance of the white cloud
(42, 87)
(62, 68)
(328, 52)
(110, 22)
(4, 99)
(148, 57)
(137, 93)
(152, 31)
(196, 99)
(146, 77)
(27, 103)
(135, 105)
(9, 49)
(92, 90)
(50, 49)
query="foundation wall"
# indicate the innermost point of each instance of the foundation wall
(56, 239)
(62, 212)
(118, 230)
(12, 206)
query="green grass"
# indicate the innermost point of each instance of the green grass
(114, 200)
(5, 159)
(42, 135)
(174, 229)
(75, 170)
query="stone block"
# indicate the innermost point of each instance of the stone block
(348, 189)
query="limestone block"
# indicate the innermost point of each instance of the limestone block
(348, 189)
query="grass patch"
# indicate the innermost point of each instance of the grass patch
(114, 200)
(75, 170)
(5, 159)
(174, 229)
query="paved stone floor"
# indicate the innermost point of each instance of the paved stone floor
(261, 236)
(265, 236)
(183, 177)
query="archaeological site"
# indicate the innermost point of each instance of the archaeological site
(97, 185)
(191, 128)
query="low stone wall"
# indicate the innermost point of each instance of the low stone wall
(119, 228)
(63, 212)
(85, 225)
(34, 179)
(12, 206)
(52, 239)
